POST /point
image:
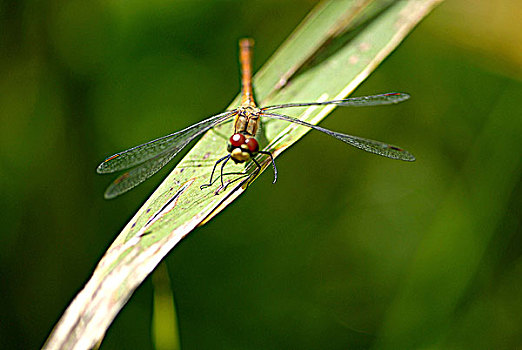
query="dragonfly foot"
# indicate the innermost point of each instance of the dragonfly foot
(202, 187)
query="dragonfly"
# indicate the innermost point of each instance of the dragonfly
(148, 158)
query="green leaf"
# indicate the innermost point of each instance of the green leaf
(335, 48)
(165, 333)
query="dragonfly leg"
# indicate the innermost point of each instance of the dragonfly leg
(214, 169)
(254, 173)
(223, 187)
(273, 164)
(223, 167)
(242, 175)
(258, 168)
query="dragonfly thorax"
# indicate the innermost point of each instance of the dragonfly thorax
(242, 147)
(247, 120)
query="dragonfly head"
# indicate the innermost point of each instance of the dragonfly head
(242, 148)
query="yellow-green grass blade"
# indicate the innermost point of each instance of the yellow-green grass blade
(165, 334)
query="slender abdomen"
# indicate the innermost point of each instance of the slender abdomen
(245, 59)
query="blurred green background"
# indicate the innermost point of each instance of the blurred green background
(347, 250)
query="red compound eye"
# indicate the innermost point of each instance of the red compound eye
(237, 140)
(252, 145)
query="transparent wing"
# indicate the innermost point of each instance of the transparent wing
(374, 100)
(137, 175)
(380, 148)
(170, 144)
